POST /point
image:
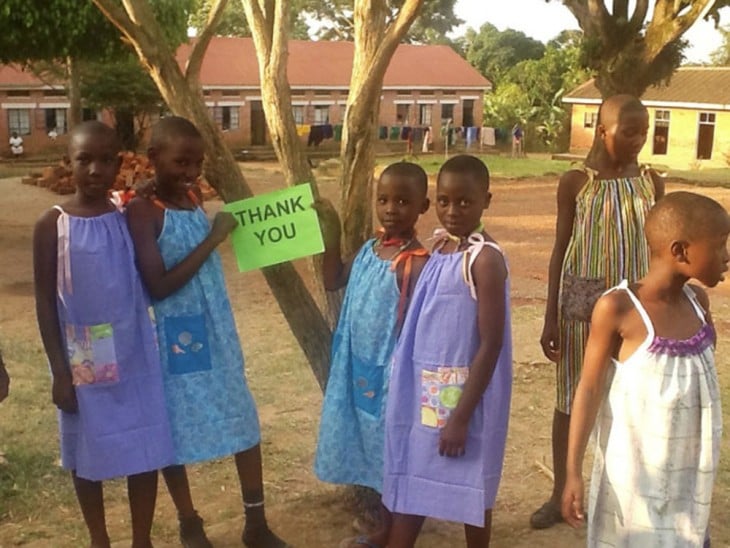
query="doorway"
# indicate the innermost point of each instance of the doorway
(705, 135)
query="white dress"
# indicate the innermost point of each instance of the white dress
(657, 442)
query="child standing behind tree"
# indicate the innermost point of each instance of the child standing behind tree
(379, 281)
(650, 360)
(448, 405)
(211, 408)
(599, 242)
(100, 341)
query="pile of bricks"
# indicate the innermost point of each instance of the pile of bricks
(135, 168)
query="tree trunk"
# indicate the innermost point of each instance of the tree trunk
(183, 95)
(74, 92)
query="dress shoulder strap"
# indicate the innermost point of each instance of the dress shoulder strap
(624, 286)
(476, 244)
(692, 296)
(64, 284)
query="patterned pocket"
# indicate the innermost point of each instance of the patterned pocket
(579, 296)
(367, 386)
(441, 391)
(187, 344)
(91, 354)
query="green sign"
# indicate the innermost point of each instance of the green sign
(276, 227)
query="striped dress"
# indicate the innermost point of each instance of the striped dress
(607, 245)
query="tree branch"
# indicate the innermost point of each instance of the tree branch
(667, 25)
(117, 16)
(637, 18)
(195, 61)
(621, 9)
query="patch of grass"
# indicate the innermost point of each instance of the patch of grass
(12, 171)
(704, 177)
(537, 165)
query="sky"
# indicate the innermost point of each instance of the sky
(547, 19)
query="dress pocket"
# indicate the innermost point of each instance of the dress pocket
(367, 386)
(579, 296)
(91, 354)
(187, 342)
(441, 390)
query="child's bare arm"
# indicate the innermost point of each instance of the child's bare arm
(335, 271)
(602, 343)
(45, 259)
(160, 282)
(490, 275)
(4, 380)
(568, 188)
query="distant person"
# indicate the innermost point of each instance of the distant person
(650, 387)
(99, 338)
(599, 242)
(212, 411)
(16, 145)
(449, 396)
(4, 379)
(379, 281)
(53, 134)
(517, 141)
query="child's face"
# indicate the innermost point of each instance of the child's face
(94, 164)
(399, 202)
(708, 258)
(178, 163)
(625, 138)
(460, 202)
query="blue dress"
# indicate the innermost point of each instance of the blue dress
(121, 427)
(212, 412)
(431, 363)
(350, 446)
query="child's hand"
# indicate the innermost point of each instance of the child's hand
(329, 221)
(4, 381)
(550, 341)
(452, 438)
(572, 504)
(64, 393)
(223, 224)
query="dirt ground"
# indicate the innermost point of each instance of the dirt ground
(303, 510)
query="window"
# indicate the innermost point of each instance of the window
(55, 118)
(18, 93)
(425, 114)
(447, 112)
(225, 117)
(590, 119)
(403, 114)
(467, 115)
(322, 92)
(661, 132)
(19, 121)
(427, 92)
(231, 93)
(321, 115)
(705, 135)
(297, 92)
(298, 111)
(56, 92)
(403, 92)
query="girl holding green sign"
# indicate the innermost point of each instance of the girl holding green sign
(379, 281)
(212, 412)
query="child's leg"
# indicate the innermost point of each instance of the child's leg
(142, 492)
(256, 532)
(90, 495)
(192, 533)
(404, 530)
(561, 429)
(176, 478)
(478, 537)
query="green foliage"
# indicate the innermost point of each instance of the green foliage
(435, 20)
(233, 21)
(493, 52)
(721, 56)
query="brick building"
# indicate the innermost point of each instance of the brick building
(423, 87)
(689, 119)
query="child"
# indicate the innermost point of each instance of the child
(446, 415)
(4, 379)
(379, 280)
(599, 241)
(651, 352)
(16, 144)
(211, 408)
(100, 341)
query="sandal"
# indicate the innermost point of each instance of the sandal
(358, 541)
(546, 516)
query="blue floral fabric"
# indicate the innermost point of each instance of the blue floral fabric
(211, 409)
(350, 446)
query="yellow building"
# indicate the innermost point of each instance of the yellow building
(689, 119)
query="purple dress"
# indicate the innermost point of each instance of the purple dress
(121, 427)
(430, 365)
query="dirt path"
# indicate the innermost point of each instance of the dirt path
(307, 512)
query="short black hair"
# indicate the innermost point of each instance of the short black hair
(614, 106)
(171, 127)
(466, 164)
(409, 170)
(95, 129)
